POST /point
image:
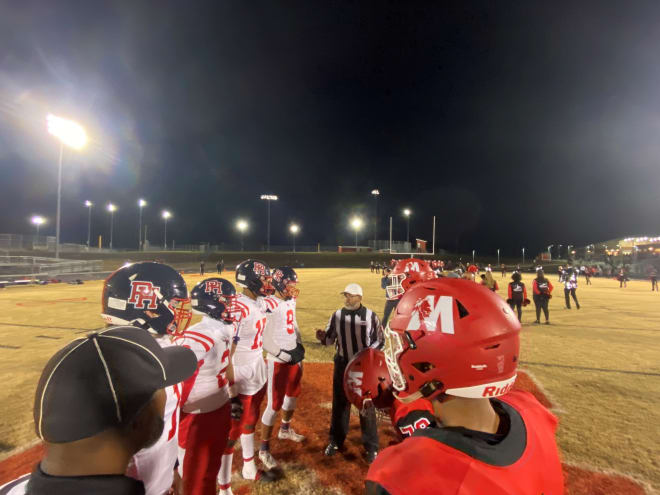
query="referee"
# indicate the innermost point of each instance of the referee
(351, 328)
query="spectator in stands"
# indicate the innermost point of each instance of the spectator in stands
(115, 380)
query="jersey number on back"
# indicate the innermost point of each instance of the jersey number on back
(261, 324)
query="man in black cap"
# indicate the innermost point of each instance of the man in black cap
(99, 400)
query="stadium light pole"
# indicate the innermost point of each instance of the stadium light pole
(141, 204)
(37, 221)
(473, 256)
(111, 208)
(356, 224)
(498, 257)
(89, 205)
(71, 134)
(549, 251)
(268, 198)
(241, 226)
(407, 213)
(523, 250)
(375, 193)
(166, 216)
(294, 229)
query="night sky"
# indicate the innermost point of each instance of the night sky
(515, 123)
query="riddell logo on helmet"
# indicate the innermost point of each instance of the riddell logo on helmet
(143, 292)
(212, 286)
(259, 269)
(496, 391)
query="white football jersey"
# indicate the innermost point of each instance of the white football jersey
(208, 389)
(248, 360)
(154, 465)
(281, 323)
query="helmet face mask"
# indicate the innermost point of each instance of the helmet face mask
(182, 314)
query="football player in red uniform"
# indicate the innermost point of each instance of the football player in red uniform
(406, 273)
(456, 344)
(367, 384)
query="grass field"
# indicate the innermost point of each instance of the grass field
(600, 365)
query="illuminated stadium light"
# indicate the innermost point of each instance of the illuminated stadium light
(67, 131)
(241, 226)
(166, 216)
(71, 134)
(294, 229)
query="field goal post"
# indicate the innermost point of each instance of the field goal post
(414, 254)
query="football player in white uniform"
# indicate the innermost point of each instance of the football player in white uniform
(154, 297)
(208, 403)
(249, 369)
(283, 342)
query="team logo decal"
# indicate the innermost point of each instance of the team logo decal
(277, 276)
(144, 292)
(355, 381)
(259, 269)
(428, 311)
(212, 287)
(412, 266)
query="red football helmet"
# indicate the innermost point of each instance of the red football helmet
(406, 273)
(367, 381)
(451, 336)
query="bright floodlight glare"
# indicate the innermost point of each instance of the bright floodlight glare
(407, 212)
(270, 197)
(67, 131)
(356, 223)
(141, 203)
(111, 207)
(294, 229)
(38, 220)
(375, 192)
(166, 214)
(241, 225)
(89, 204)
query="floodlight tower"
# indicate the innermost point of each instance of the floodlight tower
(268, 198)
(241, 226)
(141, 204)
(112, 208)
(166, 216)
(73, 135)
(89, 205)
(356, 224)
(37, 221)
(294, 229)
(375, 193)
(407, 213)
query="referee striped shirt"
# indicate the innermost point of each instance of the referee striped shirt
(353, 330)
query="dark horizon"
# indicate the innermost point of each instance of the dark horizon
(517, 125)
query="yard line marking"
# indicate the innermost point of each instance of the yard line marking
(9, 346)
(48, 337)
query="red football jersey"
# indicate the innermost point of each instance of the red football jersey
(456, 461)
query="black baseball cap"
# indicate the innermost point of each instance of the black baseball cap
(103, 381)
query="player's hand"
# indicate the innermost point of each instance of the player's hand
(526, 302)
(236, 409)
(296, 354)
(177, 485)
(320, 335)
